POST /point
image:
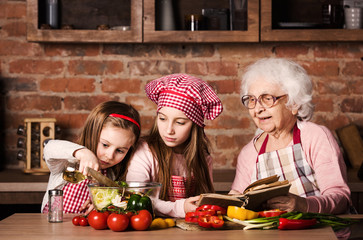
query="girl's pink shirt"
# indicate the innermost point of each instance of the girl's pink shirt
(323, 154)
(143, 168)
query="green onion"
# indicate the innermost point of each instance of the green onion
(272, 222)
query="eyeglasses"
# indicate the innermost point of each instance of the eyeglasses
(266, 100)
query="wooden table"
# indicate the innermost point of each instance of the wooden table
(36, 226)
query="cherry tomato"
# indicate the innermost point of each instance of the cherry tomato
(142, 220)
(98, 220)
(75, 220)
(118, 222)
(83, 221)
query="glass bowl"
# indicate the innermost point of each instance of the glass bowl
(103, 197)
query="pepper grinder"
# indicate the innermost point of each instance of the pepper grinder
(55, 205)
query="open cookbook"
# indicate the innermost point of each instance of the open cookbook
(253, 196)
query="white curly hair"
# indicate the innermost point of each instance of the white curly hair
(292, 78)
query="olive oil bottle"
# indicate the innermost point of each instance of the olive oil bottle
(71, 173)
(73, 176)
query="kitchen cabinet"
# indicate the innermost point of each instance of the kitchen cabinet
(251, 34)
(141, 25)
(92, 9)
(302, 31)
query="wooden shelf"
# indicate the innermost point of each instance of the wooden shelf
(268, 34)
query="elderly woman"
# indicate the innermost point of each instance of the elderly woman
(278, 94)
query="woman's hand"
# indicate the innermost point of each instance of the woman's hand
(190, 204)
(86, 159)
(87, 207)
(289, 203)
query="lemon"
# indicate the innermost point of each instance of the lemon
(170, 222)
(158, 223)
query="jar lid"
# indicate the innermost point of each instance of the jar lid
(55, 192)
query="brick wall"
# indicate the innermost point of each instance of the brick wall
(66, 81)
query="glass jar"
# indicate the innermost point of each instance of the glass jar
(55, 204)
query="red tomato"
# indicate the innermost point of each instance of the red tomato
(83, 221)
(129, 214)
(118, 222)
(98, 220)
(75, 220)
(142, 220)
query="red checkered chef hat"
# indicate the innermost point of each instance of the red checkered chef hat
(188, 94)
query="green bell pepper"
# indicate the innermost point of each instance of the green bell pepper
(133, 203)
(138, 202)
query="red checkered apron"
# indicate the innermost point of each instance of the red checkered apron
(288, 163)
(74, 195)
(178, 190)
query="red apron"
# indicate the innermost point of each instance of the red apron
(178, 190)
(290, 164)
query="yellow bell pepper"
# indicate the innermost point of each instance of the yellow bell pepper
(241, 213)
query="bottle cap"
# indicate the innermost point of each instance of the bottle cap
(55, 192)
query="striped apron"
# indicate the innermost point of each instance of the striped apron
(178, 188)
(290, 164)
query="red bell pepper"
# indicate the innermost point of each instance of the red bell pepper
(218, 210)
(191, 217)
(204, 221)
(216, 222)
(210, 221)
(206, 212)
(203, 207)
(294, 224)
(271, 213)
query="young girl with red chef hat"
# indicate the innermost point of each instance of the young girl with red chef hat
(108, 139)
(175, 152)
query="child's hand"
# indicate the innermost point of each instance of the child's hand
(87, 207)
(86, 159)
(190, 204)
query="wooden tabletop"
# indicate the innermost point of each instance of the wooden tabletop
(36, 226)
